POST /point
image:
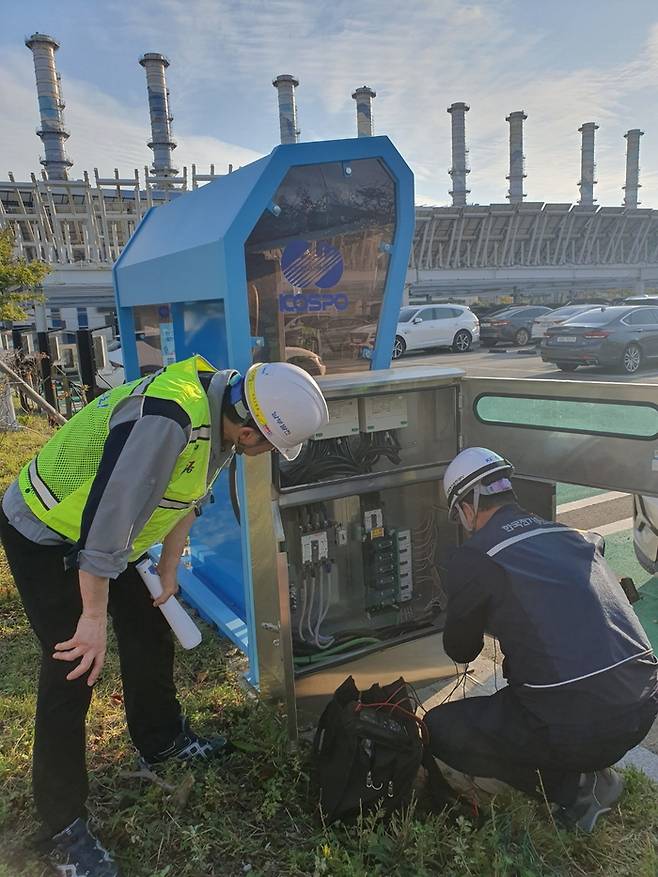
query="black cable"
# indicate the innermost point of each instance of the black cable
(335, 458)
(233, 487)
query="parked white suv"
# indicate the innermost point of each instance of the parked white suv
(439, 325)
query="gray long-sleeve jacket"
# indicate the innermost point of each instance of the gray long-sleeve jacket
(146, 436)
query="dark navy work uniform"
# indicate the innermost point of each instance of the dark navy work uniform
(582, 678)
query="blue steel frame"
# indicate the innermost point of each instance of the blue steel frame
(192, 249)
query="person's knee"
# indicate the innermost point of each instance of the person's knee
(443, 725)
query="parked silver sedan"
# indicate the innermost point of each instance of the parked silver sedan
(555, 318)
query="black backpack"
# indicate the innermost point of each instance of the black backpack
(368, 748)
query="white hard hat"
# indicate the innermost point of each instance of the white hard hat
(286, 403)
(469, 468)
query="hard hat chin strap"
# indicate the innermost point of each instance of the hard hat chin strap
(476, 504)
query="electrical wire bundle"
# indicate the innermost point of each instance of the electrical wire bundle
(329, 459)
(424, 543)
(316, 578)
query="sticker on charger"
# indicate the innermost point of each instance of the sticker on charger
(377, 533)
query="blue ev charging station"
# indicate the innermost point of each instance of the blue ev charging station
(299, 256)
(302, 256)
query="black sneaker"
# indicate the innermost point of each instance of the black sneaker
(597, 794)
(75, 852)
(189, 746)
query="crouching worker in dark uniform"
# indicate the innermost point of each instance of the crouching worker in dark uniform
(127, 472)
(582, 677)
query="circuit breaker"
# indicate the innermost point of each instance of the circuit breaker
(365, 532)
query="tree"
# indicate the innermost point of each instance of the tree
(18, 282)
(18, 279)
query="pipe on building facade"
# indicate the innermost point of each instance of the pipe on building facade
(632, 184)
(285, 85)
(364, 97)
(52, 132)
(460, 167)
(517, 172)
(587, 164)
(162, 142)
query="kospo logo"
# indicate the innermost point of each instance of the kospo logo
(317, 263)
(305, 302)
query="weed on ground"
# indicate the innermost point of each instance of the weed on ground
(256, 812)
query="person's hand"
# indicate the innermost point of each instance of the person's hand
(169, 586)
(88, 643)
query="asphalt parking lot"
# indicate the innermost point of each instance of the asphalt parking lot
(519, 363)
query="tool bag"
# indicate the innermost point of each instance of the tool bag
(368, 748)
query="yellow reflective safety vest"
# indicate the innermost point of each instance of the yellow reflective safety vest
(56, 483)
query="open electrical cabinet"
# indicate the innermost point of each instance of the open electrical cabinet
(364, 524)
(359, 527)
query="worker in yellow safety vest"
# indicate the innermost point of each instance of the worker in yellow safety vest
(129, 471)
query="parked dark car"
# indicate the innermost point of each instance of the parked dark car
(624, 337)
(651, 300)
(513, 325)
(485, 312)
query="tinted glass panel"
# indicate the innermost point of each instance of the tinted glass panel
(643, 317)
(570, 415)
(570, 311)
(443, 313)
(406, 314)
(154, 331)
(594, 318)
(498, 315)
(317, 262)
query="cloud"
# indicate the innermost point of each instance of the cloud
(419, 56)
(105, 133)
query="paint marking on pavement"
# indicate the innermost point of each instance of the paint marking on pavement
(614, 527)
(588, 501)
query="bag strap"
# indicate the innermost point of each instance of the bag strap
(424, 733)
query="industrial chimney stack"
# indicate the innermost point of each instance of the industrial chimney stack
(364, 97)
(517, 173)
(460, 166)
(53, 134)
(632, 167)
(162, 142)
(285, 86)
(587, 164)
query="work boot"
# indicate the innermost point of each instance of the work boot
(188, 746)
(76, 852)
(597, 794)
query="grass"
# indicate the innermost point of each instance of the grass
(257, 813)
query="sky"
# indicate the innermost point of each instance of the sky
(564, 63)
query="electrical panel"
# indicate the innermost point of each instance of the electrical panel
(364, 571)
(366, 530)
(343, 419)
(377, 413)
(100, 351)
(54, 348)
